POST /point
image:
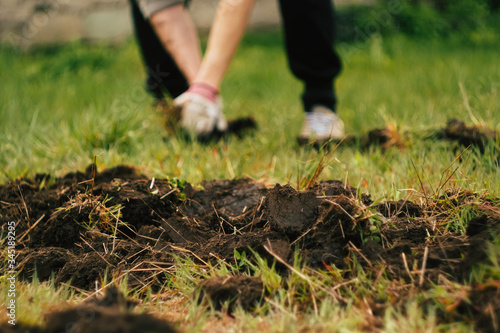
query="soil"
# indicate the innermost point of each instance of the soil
(235, 127)
(110, 313)
(236, 290)
(385, 137)
(389, 137)
(87, 224)
(478, 136)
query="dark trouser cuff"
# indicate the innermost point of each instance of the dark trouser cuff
(319, 93)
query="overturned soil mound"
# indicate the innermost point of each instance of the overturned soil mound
(116, 222)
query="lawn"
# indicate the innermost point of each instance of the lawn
(64, 107)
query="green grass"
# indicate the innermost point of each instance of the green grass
(60, 106)
(304, 300)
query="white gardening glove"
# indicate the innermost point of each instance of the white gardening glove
(199, 115)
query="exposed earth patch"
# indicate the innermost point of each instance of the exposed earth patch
(118, 222)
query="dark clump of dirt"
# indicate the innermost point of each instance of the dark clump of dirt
(483, 227)
(480, 230)
(390, 137)
(20, 328)
(289, 211)
(238, 127)
(485, 307)
(90, 319)
(108, 314)
(337, 188)
(89, 225)
(399, 208)
(385, 138)
(112, 298)
(230, 197)
(64, 225)
(235, 127)
(137, 201)
(241, 290)
(224, 246)
(328, 240)
(85, 269)
(477, 136)
(45, 261)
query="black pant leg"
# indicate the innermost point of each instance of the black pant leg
(163, 75)
(309, 27)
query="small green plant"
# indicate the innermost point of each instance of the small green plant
(460, 218)
(371, 230)
(179, 185)
(240, 260)
(46, 182)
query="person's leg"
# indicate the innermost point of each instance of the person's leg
(163, 75)
(309, 35)
(177, 33)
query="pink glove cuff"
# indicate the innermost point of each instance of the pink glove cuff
(204, 90)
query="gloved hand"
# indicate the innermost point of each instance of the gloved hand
(199, 115)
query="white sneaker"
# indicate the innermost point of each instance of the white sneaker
(199, 115)
(321, 124)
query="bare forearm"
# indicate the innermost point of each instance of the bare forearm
(228, 27)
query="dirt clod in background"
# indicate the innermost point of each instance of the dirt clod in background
(390, 136)
(238, 127)
(478, 136)
(385, 137)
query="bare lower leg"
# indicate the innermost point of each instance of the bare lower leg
(228, 27)
(178, 34)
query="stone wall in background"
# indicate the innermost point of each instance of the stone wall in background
(27, 22)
